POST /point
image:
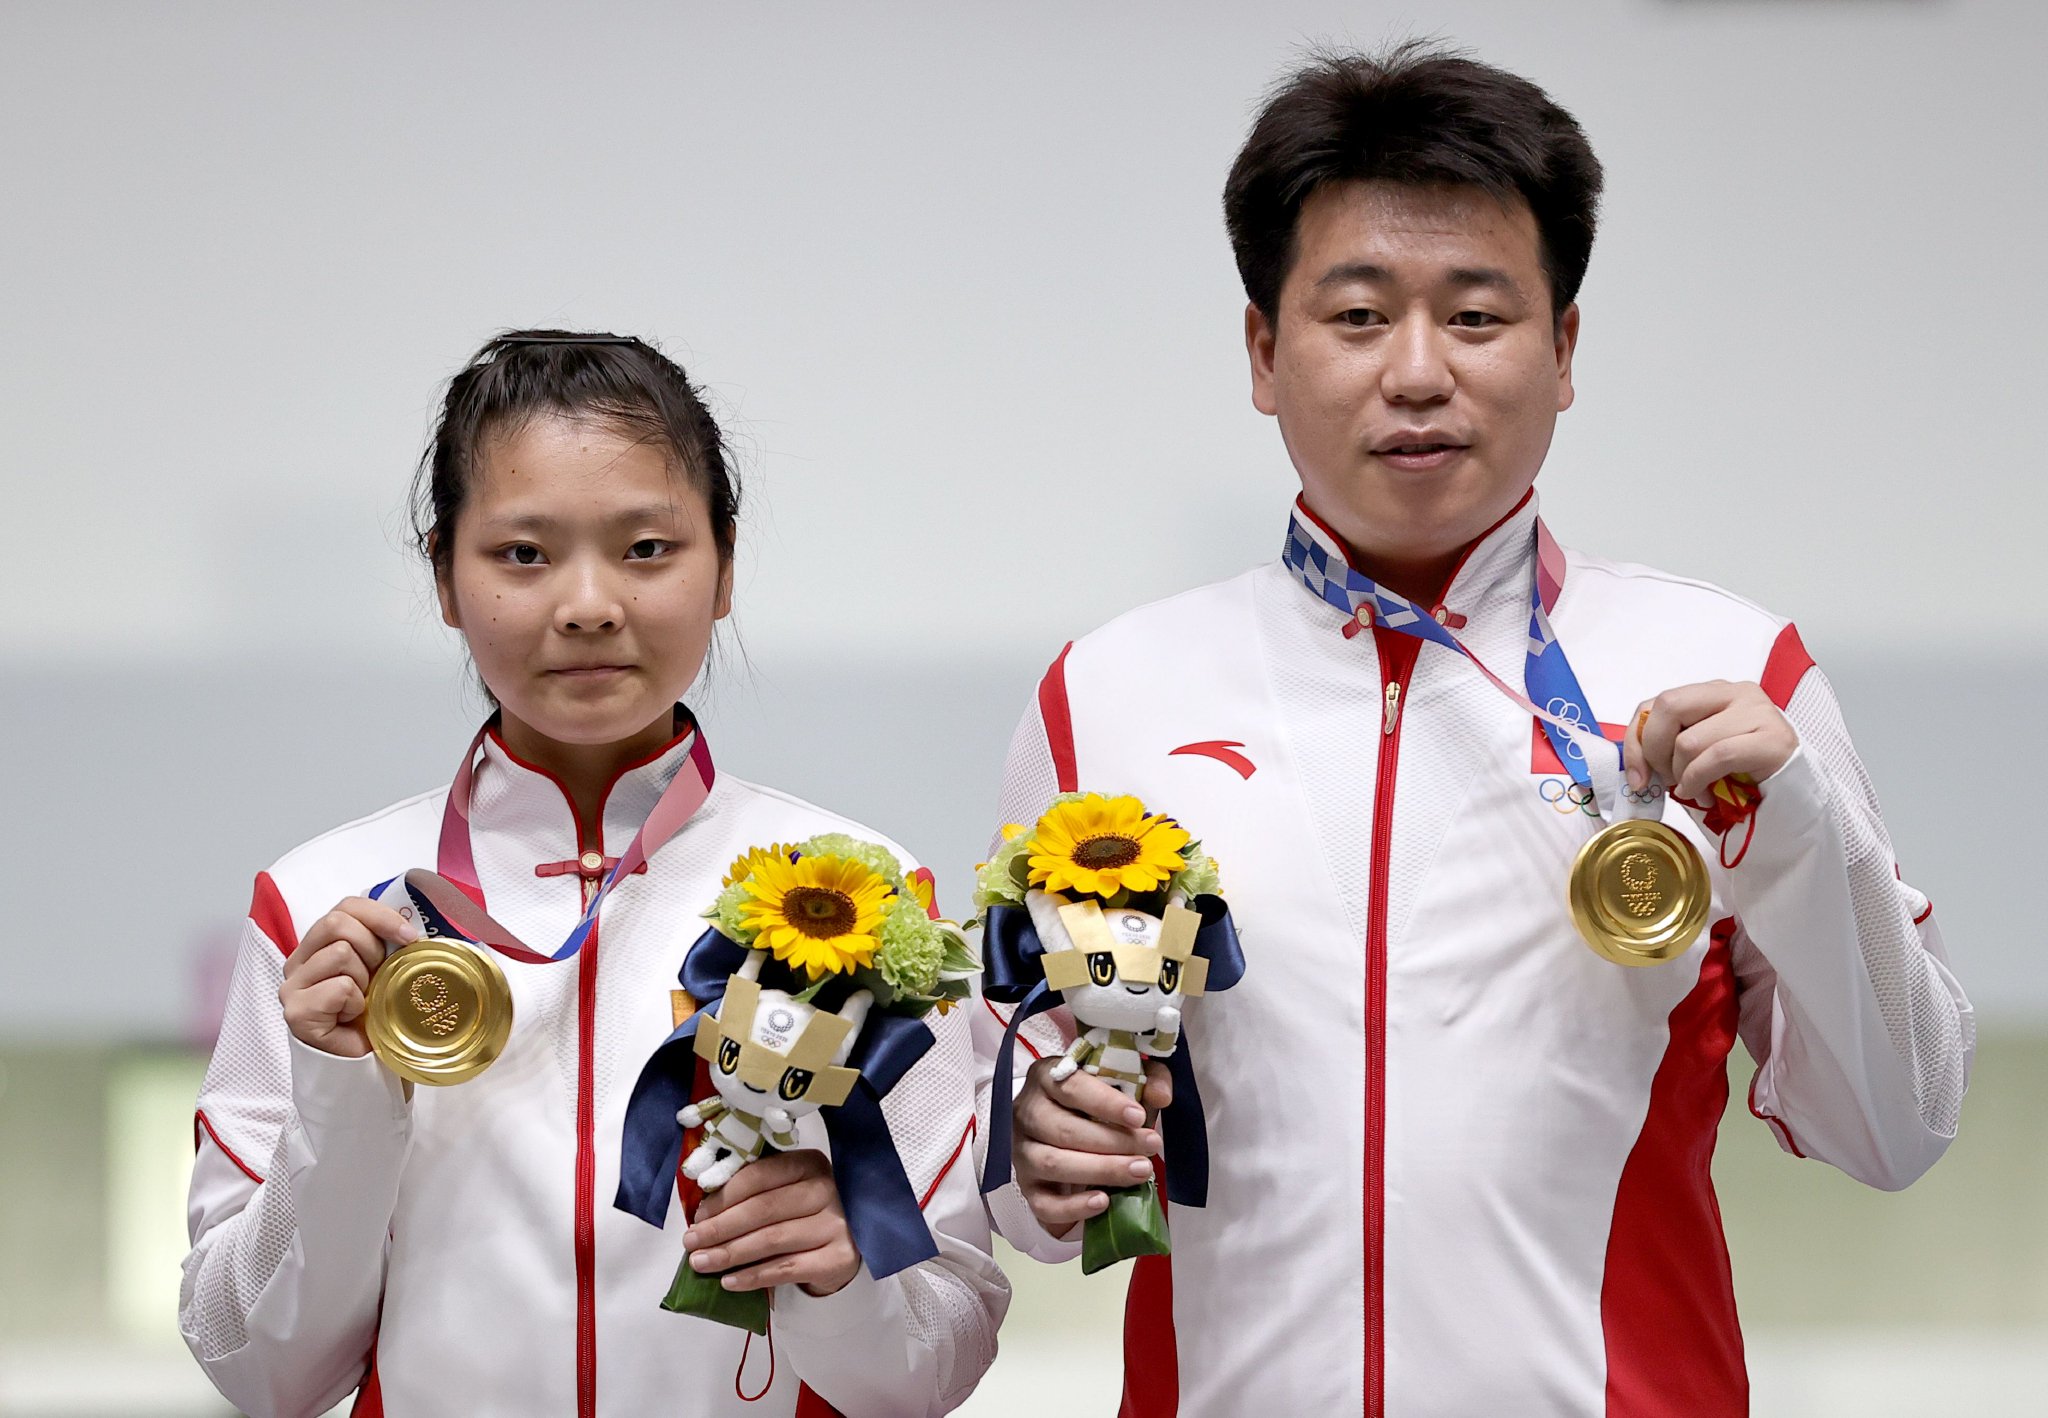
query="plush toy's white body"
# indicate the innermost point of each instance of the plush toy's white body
(1124, 1019)
(755, 1108)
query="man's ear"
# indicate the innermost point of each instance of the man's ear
(1259, 336)
(1565, 346)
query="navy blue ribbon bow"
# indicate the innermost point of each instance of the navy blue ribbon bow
(882, 1210)
(1015, 974)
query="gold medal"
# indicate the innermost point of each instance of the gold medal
(1639, 893)
(439, 1011)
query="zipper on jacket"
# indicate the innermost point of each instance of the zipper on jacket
(1397, 654)
(586, 1146)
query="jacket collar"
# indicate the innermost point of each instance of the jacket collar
(1499, 561)
(523, 799)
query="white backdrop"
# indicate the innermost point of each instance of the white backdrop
(957, 277)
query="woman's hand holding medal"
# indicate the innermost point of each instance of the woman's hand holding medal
(327, 978)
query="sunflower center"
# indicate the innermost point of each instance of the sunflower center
(820, 913)
(1106, 852)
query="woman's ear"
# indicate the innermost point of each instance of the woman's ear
(444, 588)
(722, 606)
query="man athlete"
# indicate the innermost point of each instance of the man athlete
(1459, 1161)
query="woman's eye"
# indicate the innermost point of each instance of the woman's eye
(522, 554)
(646, 549)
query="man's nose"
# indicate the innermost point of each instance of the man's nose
(1418, 367)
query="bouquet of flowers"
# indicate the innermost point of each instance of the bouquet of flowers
(1118, 913)
(810, 986)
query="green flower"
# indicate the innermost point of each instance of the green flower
(878, 860)
(1002, 879)
(913, 949)
(725, 913)
(1199, 877)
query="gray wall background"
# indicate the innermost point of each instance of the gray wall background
(957, 279)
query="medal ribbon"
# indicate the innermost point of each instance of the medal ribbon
(450, 900)
(1553, 696)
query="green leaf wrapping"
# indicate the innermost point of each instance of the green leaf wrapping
(704, 1297)
(1134, 1225)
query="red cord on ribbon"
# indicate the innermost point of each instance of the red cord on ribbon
(737, 1374)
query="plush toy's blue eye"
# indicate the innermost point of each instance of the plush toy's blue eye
(728, 1055)
(795, 1083)
(1102, 967)
(1169, 975)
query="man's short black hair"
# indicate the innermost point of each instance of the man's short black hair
(1422, 116)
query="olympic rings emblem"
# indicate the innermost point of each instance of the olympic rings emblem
(1568, 797)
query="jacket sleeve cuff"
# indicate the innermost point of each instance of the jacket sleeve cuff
(862, 1304)
(1011, 1215)
(333, 1094)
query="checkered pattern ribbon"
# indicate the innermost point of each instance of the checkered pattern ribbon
(1552, 696)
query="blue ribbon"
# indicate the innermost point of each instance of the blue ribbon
(882, 1210)
(1547, 674)
(1014, 965)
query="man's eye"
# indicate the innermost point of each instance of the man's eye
(1360, 317)
(1475, 319)
(646, 549)
(522, 554)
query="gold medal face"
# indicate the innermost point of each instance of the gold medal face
(1639, 893)
(439, 1012)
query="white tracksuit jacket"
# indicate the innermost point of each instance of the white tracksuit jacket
(459, 1252)
(1460, 1163)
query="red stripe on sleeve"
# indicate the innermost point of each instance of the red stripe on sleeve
(1777, 1124)
(1667, 1302)
(200, 1120)
(958, 1148)
(1059, 722)
(272, 916)
(1787, 665)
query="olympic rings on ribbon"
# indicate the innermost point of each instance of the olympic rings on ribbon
(1567, 796)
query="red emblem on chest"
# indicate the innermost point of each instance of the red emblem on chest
(1223, 751)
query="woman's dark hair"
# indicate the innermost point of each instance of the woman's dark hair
(1421, 116)
(618, 380)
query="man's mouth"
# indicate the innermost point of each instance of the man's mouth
(1419, 454)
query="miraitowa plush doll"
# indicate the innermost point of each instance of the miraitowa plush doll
(808, 992)
(1122, 920)
(773, 1058)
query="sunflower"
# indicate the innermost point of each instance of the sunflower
(819, 915)
(750, 860)
(1104, 845)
